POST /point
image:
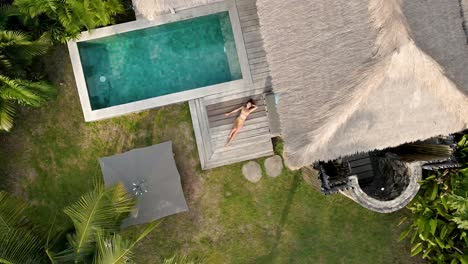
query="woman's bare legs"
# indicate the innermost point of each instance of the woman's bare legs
(232, 135)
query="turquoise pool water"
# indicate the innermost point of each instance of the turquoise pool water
(160, 60)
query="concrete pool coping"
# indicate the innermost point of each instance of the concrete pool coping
(245, 83)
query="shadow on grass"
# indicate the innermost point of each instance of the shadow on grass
(284, 216)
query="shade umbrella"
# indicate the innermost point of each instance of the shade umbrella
(151, 175)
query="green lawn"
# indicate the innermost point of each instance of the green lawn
(50, 159)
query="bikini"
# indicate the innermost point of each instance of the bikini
(241, 119)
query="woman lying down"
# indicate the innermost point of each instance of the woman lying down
(245, 111)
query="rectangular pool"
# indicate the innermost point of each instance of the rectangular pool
(160, 60)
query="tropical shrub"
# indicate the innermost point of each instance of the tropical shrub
(17, 86)
(65, 19)
(439, 225)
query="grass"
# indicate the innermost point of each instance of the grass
(51, 158)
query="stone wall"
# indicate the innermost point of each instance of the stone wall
(413, 171)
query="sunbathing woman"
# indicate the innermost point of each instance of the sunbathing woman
(239, 123)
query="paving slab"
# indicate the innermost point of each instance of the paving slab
(252, 171)
(274, 166)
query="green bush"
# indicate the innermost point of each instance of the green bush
(439, 225)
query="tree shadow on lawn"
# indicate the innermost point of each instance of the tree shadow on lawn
(284, 216)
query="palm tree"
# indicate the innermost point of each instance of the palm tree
(97, 217)
(64, 20)
(17, 52)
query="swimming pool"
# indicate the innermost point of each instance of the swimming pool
(143, 64)
(160, 60)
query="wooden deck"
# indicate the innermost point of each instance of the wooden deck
(210, 124)
(212, 128)
(256, 54)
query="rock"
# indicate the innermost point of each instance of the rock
(274, 166)
(252, 171)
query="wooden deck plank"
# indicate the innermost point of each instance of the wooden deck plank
(218, 114)
(230, 105)
(251, 28)
(248, 23)
(259, 70)
(245, 6)
(215, 118)
(248, 17)
(247, 11)
(266, 83)
(240, 150)
(233, 102)
(257, 60)
(258, 65)
(255, 49)
(226, 96)
(197, 131)
(223, 137)
(257, 122)
(254, 36)
(257, 54)
(204, 127)
(254, 44)
(230, 120)
(250, 156)
(261, 76)
(264, 132)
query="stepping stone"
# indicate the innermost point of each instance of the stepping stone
(252, 171)
(274, 166)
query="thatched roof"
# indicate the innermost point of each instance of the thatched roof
(151, 8)
(355, 76)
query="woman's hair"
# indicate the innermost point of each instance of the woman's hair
(250, 101)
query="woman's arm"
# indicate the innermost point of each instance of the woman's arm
(254, 107)
(233, 111)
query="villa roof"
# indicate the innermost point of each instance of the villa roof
(355, 76)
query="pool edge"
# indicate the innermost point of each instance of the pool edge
(246, 83)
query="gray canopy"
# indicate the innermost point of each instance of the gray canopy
(151, 175)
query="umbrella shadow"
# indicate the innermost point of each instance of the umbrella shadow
(268, 258)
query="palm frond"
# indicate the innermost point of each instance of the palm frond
(5, 63)
(100, 209)
(7, 115)
(36, 7)
(20, 246)
(13, 37)
(17, 46)
(11, 211)
(43, 89)
(179, 259)
(14, 90)
(113, 249)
